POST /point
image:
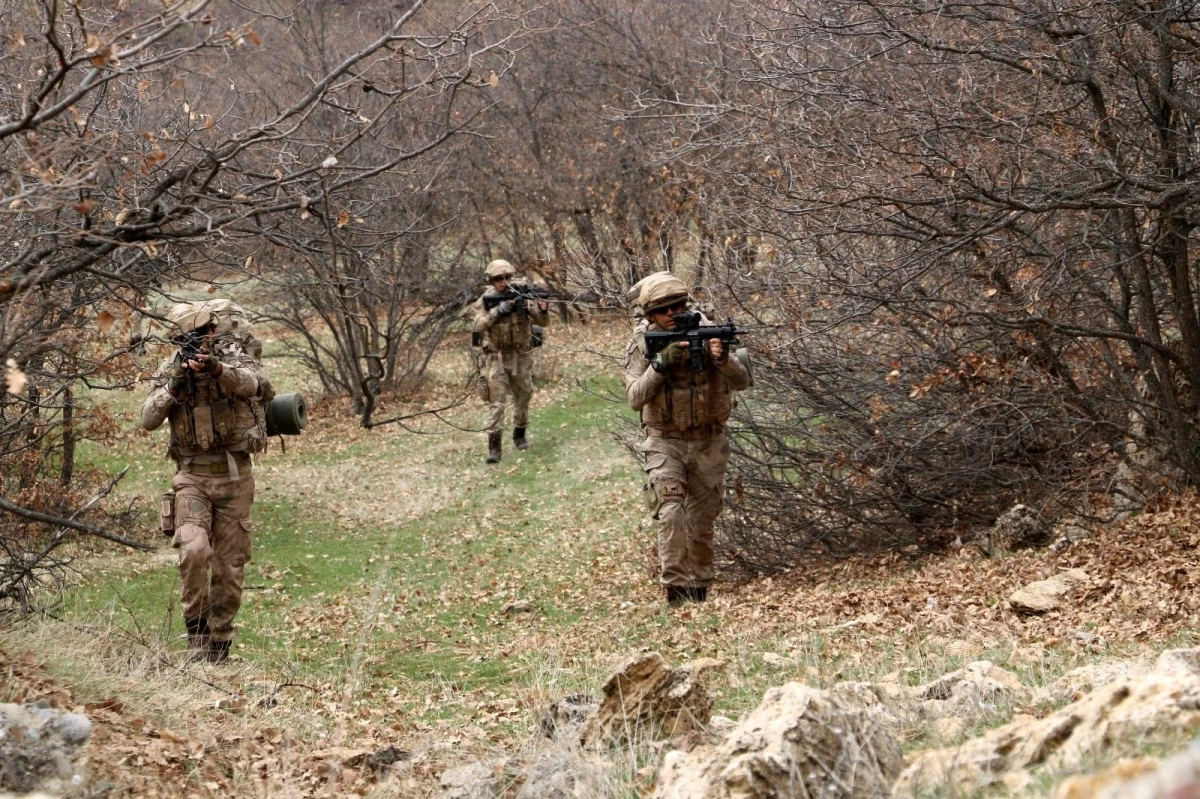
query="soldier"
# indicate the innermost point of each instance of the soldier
(214, 396)
(507, 339)
(683, 414)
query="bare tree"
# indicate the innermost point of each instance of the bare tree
(144, 143)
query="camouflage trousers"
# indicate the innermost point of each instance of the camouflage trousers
(685, 493)
(212, 533)
(508, 371)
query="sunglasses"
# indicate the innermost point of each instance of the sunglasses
(676, 308)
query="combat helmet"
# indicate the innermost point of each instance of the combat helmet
(499, 268)
(229, 317)
(659, 290)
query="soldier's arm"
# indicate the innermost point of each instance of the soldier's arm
(484, 318)
(242, 377)
(641, 382)
(158, 405)
(735, 374)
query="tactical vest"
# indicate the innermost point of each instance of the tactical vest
(688, 401)
(207, 422)
(512, 331)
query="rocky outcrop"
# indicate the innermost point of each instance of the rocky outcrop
(478, 780)
(647, 700)
(1161, 703)
(1019, 527)
(1044, 596)
(563, 717)
(40, 749)
(800, 741)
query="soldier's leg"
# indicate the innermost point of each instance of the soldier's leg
(193, 521)
(231, 550)
(668, 483)
(498, 392)
(522, 388)
(705, 499)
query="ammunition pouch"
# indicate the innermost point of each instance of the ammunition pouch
(166, 514)
(287, 415)
(539, 336)
(476, 338)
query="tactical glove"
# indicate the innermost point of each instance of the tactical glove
(211, 366)
(176, 384)
(505, 307)
(671, 355)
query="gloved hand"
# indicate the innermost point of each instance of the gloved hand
(211, 366)
(176, 384)
(671, 355)
(505, 307)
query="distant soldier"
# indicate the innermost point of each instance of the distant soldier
(213, 393)
(683, 414)
(506, 336)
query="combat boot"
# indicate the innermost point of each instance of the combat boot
(198, 640)
(494, 447)
(519, 438)
(676, 595)
(218, 651)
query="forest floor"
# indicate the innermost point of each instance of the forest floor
(374, 617)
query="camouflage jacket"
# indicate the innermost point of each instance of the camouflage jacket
(214, 415)
(507, 332)
(680, 401)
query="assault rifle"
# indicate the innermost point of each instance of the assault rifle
(689, 329)
(190, 345)
(518, 293)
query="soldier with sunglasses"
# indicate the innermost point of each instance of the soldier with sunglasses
(683, 414)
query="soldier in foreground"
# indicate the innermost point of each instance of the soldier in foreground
(683, 414)
(506, 336)
(213, 392)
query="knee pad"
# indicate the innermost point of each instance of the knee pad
(667, 492)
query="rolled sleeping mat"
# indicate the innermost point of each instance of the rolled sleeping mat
(287, 415)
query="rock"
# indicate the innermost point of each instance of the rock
(1077, 683)
(1095, 785)
(478, 780)
(647, 700)
(721, 724)
(1186, 660)
(799, 742)
(977, 688)
(1160, 704)
(565, 716)
(1046, 595)
(516, 606)
(1177, 777)
(551, 776)
(40, 749)
(1019, 527)
(948, 728)
(889, 704)
(773, 659)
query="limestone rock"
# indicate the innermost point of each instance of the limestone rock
(1046, 595)
(40, 749)
(551, 776)
(478, 780)
(799, 742)
(1177, 777)
(978, 689)
(1078, 683)
(565, 716)
(1019, 527)
(646, 700)
(1159, 703)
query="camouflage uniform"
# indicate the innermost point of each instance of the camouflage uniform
(507, 363)
(684, 414)
(215, 426)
